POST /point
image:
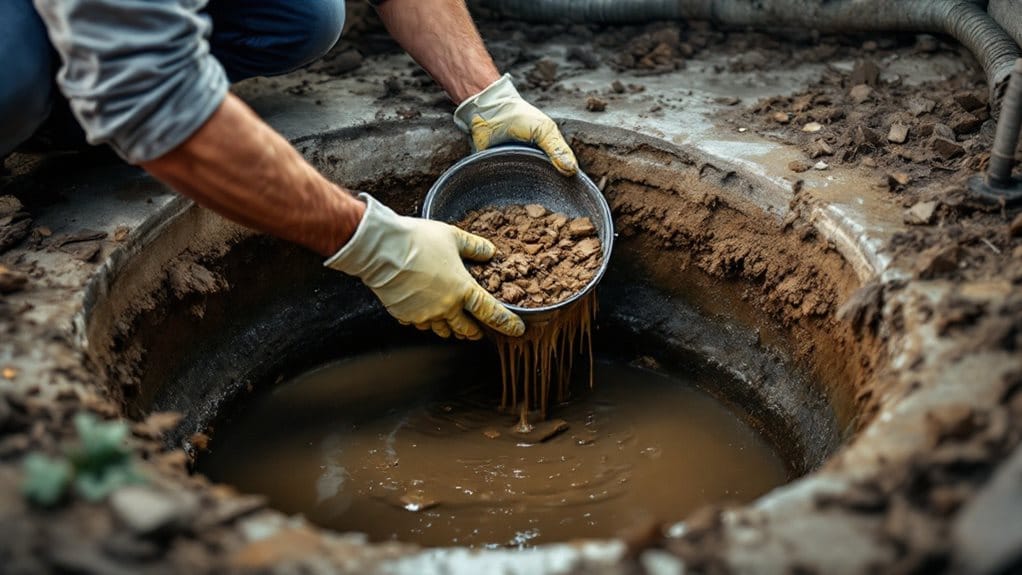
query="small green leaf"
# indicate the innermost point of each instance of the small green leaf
(46, 479)
(97, 485)
(100, 443)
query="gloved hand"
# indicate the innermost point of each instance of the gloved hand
(414, 266)
(498, 115)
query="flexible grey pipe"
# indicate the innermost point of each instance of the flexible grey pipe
(965, 20)
(1002, 155)
(1008, 13)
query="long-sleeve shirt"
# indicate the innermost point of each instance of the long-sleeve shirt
(138, 73)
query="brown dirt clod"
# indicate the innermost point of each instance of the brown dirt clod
(542, 257)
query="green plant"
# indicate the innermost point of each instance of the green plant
(98, 464)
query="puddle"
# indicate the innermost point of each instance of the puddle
(407, 445)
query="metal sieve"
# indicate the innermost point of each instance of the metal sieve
(516, 175)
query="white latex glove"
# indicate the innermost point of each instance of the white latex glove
(498, 115)
(414, 266)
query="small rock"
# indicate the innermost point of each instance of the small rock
(594, 104)
(1015, 229)
(541, 431)
(921, 213)
(896, 179)
(869, 162)
(941, 131)
(581, 227)
(781, 117)
(799, 166)
(938, 260)
(898, 133)
(11, 281)
(865, 72)
(820, 147)
(821, 165)
(617, 87)
(491, 433)
(945, 148)
(919, 106)
(148, 510)
(812, 127)
(535, 210)
(965, 123)
(860, 93)
(971, 101)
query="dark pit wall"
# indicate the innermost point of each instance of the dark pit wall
(207, 312)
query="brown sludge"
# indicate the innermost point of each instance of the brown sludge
(542, 258)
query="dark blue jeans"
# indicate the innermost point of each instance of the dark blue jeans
(250, 38)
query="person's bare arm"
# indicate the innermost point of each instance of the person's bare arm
(441, 36)
(242, 169)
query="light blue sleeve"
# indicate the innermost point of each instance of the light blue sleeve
(138, 73)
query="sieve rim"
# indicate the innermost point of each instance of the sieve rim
(581, 180)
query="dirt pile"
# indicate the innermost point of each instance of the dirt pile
(542, 257)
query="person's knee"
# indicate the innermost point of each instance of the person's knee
(324, 26)
(26, 92)
(270, 37)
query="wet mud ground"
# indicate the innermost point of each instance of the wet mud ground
(916, 141)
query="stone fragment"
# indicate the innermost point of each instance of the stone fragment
(595, 104)
(896, 179)
(860, 93)
(865, 72)
(541, 431)
(921, 213)
(820, 147)
(1015, 229)
(918, 106)
(535, 210)
(965, 123)
(581, 227)
(781, 117)
(938, 260)
(821, 165)
(971, 100)
(898, 133)
(147, 510)
(11, 281)
(799, 166)
(617, 87)
(491, 433)
(812, 127)
(946, 149)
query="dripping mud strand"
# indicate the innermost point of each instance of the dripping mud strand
(544, 355)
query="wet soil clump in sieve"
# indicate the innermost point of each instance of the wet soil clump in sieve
(542, 257)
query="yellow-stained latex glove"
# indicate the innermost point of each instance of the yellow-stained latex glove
(415, 267)
(498, 115)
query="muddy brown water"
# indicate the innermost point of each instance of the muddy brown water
(408, 445)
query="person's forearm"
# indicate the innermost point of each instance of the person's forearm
(441, 37)
(239, 167)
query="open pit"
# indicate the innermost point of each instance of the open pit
(220, 325)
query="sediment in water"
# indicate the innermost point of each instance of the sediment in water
(543, 356)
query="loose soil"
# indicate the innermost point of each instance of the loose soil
(542, 257)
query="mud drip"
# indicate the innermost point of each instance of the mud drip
(529, 364)
(405, 445)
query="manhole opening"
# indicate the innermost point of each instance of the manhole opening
(710, 290)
